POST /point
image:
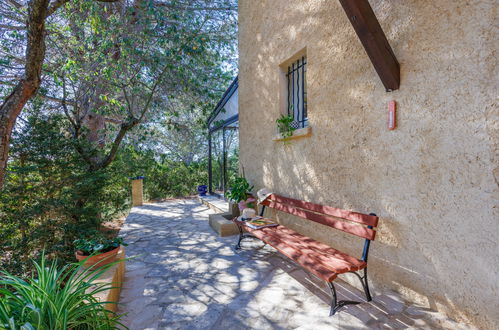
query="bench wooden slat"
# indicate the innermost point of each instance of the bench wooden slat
(365, 219)
(338, 261)
(305, 260)
(347, 227)
(320, 247)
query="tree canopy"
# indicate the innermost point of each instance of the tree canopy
(110, 65)
(95, 92)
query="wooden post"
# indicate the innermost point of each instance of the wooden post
(137, 192)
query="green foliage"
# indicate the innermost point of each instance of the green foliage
(51, 197)
(284, 126)
(218, 123)
(141, 62)
(55, 298)
(164, 178)
(239, 190)
(97, 244)
(154, 69)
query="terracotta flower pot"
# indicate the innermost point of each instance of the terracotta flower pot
(102, 259)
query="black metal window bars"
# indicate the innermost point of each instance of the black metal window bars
(297, 92)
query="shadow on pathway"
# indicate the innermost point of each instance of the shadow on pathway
(183, 276)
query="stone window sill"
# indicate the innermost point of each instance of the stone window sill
(297, 134)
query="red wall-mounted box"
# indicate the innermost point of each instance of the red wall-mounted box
(392, 115)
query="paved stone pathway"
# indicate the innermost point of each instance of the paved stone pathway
(183, 276)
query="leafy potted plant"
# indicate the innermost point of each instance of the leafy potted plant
(286, 126)
(240, 193)
(98, 250)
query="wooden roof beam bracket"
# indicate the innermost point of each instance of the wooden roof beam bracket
(370, 33)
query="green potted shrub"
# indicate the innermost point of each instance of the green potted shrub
(240, 193)
(98, 250)
(285, 126)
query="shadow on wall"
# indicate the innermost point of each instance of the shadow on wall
(421, 180)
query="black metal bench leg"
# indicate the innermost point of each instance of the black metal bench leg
(334, 301)
(365, 284)
(238, 245)
(241, 236)
(335, 304)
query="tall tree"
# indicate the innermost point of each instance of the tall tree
(117, 66)
(109, 65)
(29, 82)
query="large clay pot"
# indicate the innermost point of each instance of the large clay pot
(102, 259)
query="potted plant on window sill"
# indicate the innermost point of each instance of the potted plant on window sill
(240, 193)
(98, 251)
(286, 125)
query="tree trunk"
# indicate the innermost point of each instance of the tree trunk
(27, 87)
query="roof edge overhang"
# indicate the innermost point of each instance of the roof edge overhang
(225, 98)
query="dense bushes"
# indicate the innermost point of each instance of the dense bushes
(173, 179)
(51, 197)
(163, 177)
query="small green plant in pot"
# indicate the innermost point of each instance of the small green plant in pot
(240, 193)
(284, 126)
(98, 250)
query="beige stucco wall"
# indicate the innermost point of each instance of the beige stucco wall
(433, 181)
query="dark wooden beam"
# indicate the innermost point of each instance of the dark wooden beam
(370, 33)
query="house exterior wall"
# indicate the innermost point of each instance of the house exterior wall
(432, 181)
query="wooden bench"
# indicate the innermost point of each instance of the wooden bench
(318, 258)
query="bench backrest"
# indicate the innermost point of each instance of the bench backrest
(358, 224)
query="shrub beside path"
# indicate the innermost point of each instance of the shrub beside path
(183, 276)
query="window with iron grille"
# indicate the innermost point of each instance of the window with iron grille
(297, 92)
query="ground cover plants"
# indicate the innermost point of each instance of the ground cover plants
(55, 297)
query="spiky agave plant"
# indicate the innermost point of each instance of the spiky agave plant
(55, 298)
